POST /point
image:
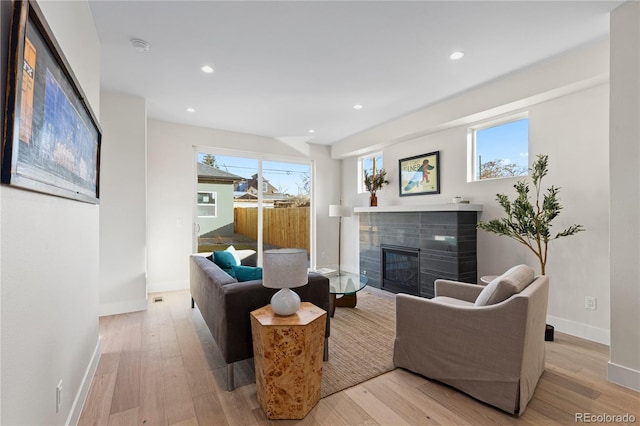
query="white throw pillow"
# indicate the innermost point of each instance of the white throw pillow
(506, 285)
(232, 250)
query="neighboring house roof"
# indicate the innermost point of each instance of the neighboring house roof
(252, 185)
(251, 196)
(208, 174)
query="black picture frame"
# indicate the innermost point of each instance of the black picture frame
(414, 179)
(52, 139)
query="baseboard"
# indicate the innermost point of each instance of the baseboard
(158, 286)
(584, 331)
(122, 307)
(85, 385)
(623, 376)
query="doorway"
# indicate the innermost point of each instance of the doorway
(252, 204)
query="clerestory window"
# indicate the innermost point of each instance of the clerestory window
(499, 150)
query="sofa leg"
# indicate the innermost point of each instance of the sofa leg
(193, 303)
(325, 354)
(230, 384)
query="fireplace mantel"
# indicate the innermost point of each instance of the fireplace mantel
(450, 207)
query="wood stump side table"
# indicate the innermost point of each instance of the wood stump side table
(288, 360)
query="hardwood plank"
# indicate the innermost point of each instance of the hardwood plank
(108, 363)
(187, 422)
(152, 398)
(182, 381)
(397, 400)
(241, 406)
(376, 408)
(126, 394)
(407, 384)
(338, 409)
(98, 404)
(177, 394)
(465, 407)
(208, 410)
(124, 418)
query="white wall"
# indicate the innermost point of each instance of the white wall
(569, 122)
(326, 185)
(123, 227)
(49, 266)
(624, 367)
(171, 186)
(5, 21)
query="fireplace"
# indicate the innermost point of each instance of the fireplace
(400, 269)
(444, 234)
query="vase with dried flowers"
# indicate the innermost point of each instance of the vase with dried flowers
(373, 182)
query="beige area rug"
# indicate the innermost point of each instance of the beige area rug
(361, 341)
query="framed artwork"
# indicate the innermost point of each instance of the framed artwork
(420, 175)
(52, 138)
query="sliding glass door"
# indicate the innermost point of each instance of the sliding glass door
(286, 205)
(252, 204)
(221, 180)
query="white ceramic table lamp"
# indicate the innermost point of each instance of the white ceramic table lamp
(284, 269)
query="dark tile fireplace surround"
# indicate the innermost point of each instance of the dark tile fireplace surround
(406, 251)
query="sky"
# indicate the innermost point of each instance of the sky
(287, 177)
(507, 142)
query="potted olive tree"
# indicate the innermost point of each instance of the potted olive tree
(373, 182)
(529, 221)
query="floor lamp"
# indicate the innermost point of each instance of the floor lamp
(339, 211)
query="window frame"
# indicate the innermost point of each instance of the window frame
(473, 173)
(214, 196)
(361, 161)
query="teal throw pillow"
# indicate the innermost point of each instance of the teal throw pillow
(231, 272)
(224, 259)
(247, 273)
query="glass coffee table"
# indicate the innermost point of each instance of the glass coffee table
(346, 284)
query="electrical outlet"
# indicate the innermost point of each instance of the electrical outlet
(58, 396)
(590, 302)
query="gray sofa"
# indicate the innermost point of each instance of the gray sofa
(225, 305)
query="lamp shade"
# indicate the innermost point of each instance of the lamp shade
(284, 268)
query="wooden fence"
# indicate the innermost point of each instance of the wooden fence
(286, 227)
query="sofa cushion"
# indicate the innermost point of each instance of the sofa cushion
(224, 259)
(506, 285)
(219, 276)
(234, 252)
(246, 273)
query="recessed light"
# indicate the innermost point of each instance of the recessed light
(207, 68)
(191, 109)
(357, 106)
(456, 55)
(311, 131)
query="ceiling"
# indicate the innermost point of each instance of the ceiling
(285, 68)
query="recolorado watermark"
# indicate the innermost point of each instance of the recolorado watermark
(605, 418)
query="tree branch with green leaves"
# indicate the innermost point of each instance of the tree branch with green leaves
(529, 222)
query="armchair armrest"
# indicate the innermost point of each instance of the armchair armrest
(457, 290)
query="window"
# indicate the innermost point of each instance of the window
(499, 150)
(207, 204)
(368, 163)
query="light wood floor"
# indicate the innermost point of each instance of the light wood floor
(161, 367)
